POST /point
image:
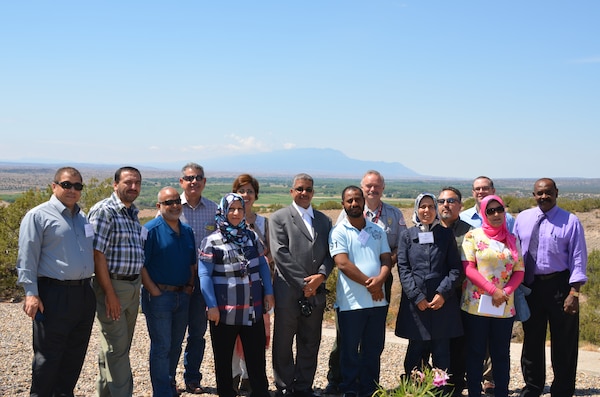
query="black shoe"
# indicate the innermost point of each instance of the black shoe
(304, 393)
(194, 388)
(332, 388)
(283, 393)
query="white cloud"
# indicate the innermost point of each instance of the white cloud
(289, 145)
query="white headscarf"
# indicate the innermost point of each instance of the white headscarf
(415, 217)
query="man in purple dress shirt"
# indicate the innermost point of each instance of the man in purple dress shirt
(554, 270)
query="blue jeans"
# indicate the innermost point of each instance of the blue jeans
(197, 323)
(166, 318)
(419, 351)
(362, 338)
(483, 332)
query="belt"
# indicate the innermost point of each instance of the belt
(123, 277)
(171, 288)
(549, 276)
(48, 280)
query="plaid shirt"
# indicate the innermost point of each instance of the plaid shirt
(234, 287)
(201, 217)
(118, 235)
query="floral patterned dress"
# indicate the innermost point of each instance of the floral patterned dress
(495, 262)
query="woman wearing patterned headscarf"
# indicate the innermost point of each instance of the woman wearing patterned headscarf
(236, 285)
(494, 268)
(429, 267)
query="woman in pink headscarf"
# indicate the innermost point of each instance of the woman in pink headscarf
(494, 268)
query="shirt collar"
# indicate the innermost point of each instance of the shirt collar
(303, 211)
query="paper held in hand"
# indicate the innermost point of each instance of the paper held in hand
(487, 307)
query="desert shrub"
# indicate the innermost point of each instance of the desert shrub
(590, 312)
(329, 205)
(10, 221)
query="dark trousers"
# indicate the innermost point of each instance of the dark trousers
(253, 338)
(362, 339)
(60, 338)
(483, 333)
(546, 304)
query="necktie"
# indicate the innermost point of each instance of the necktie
(308, 223)
(531, 259)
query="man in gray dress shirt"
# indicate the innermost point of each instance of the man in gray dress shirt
(55, 265)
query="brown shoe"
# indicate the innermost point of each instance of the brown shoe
(488, 387)
(194, 388)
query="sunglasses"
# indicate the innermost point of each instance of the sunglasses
(68, 185)
(448, 200)
(301, 189)
(190, 178)
(171, 202)
(495, 210)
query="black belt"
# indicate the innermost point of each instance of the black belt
(549, 276)
(171, 288)
(123, 277)
(54, 281)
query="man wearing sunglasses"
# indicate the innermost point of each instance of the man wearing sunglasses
(118, 260)
(198, 212)
(483, 187)
(168, 281)
(449, 204)
(55, 264)
(299, 245)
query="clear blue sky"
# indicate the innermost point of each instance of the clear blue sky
(447, 88)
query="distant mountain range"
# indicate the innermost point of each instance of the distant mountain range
(316, 162)
(320, 163)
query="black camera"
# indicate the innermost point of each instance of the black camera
(306, 308)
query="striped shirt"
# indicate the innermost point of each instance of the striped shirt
(118, 235)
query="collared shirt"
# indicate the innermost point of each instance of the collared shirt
(561, 244)
(473, 218)
(388, 217)
(201, 217)
(364, 248)
(168, 254)
(307, 215)
(119, 235)
(55, 243)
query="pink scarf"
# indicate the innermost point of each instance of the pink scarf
(500, 233)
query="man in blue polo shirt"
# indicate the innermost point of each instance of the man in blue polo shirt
(168, 281)
(362, 254)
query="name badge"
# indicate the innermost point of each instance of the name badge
(426, 238)
(144, 233)
(363, 237)
(89, 230)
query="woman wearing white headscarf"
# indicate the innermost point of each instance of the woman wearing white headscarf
(429, 266)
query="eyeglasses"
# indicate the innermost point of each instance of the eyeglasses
(190, 178)
(247, 191)
(448, 200)
(495, 210)
(232, 210)
(482, 188)
(68, 185)
(301, 189)
(171, 202)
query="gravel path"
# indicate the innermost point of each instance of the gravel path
(16, 353)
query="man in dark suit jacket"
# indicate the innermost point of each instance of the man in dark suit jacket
(299, 245)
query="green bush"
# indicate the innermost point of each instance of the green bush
(590, 304)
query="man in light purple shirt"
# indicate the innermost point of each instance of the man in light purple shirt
(554, 271)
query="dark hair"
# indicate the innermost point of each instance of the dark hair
(485, 177)
(352, 187)
(546, 179)
(69, 170)
(126, 169)
(242, 180)
(452, 189)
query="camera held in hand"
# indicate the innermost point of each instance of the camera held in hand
(306, 308)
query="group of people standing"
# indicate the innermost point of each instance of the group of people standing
(200, 263)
